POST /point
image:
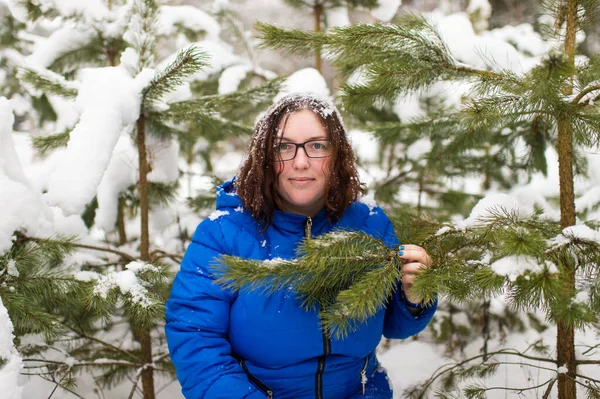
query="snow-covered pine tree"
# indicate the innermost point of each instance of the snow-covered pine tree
(319, 10)
(417, 162)
(541, 264)
(133, 96)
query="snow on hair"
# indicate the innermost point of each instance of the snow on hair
(256, 181)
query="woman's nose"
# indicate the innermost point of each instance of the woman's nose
(301, 160)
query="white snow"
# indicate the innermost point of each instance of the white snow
(418, 149)
(217, 214)
(109, 100)
(307, 80)
(488, 206)
(570, 233)
(127, 283)
(164, 157)
(386, 9)
(11, 370)
(515, 266)
(11, 268)
(58, 43)
(562, 369)
(480, 11)
(188, 17)
(337, 16)
(365, 145)
(20, 206)
(474, 50)
(122, 172)
(139, 266)
(230, 79)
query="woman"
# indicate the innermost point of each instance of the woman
(298, 180)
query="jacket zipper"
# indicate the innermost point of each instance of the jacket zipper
(259, 384)
(325, 335)
(363, 375)
(308, 228)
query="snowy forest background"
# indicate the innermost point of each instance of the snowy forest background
(119, 117)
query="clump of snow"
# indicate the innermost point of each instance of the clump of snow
(469, 48)
(368, 200)
(230, 79)
(386, 9)
(307, 80)
(109, 100)
(20, 206)
(188, 17)
(480, 11)
(122, 172)
(13, 364)
(127, 283)
(62, 41)
(365, 145)
(580, 231)
(11, 268)
(217, 214)
(488, 206)
(515, 266)
(562, 369)
(164, 155)
(86, 276)
(139, 266)
(582, 297)
(408, 107)
(418, 149)
(337, 16)
(523, 37)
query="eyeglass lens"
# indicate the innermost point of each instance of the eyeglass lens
(313, 148)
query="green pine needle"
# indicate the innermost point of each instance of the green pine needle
(46, 144)
(348, 274)
(48, 82)
(187, 63)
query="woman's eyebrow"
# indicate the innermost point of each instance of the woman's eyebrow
(283, 138)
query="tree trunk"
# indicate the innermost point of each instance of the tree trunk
(565, 345)
(318, 13)
(121, 221)
(144, 335)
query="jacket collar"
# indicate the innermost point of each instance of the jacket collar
(288, 223)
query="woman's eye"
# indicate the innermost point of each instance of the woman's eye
(318, 146)
(284, 147)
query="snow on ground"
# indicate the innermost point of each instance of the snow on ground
(411, 362)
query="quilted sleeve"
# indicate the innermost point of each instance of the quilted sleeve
(197, 324)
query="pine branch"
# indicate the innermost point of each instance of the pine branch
(341, 271)
(45, 144)
(584, 92)
(257, 96)
(289, 40)
(89, 52)
(48, 82)
(187, 63)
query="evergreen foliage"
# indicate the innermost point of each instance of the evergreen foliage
(502, 108)
(349, 284)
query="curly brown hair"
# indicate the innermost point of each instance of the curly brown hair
(256, 181)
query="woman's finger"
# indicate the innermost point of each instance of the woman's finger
(414, 253)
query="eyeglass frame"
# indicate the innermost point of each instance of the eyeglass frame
(300, 145)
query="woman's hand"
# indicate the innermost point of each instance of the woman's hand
(414, 261)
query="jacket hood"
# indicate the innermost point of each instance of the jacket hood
(227, 196)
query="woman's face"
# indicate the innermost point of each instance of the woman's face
(302, 180)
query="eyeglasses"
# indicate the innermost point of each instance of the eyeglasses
(286, 151)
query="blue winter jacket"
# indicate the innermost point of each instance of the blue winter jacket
(248, 345)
